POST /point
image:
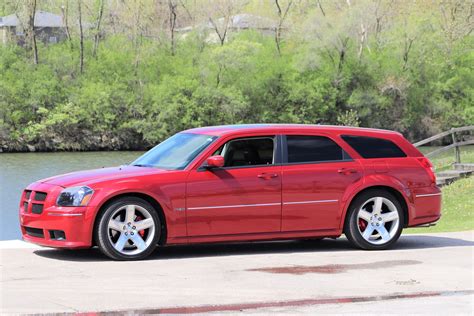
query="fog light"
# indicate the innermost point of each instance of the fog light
(57, 235)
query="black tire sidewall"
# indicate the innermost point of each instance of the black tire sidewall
(351, 228)
(102, 239)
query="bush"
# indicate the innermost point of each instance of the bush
(135, 94)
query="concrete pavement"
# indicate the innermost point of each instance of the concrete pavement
(424, 274)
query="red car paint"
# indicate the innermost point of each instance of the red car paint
(191, 200)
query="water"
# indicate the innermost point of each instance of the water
(19, 170)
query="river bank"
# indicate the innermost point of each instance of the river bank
(84, 141)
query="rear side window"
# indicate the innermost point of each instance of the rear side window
(313, 149)
(372, 147)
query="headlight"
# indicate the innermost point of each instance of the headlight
(75, 196)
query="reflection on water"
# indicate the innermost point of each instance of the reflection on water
(19, 170)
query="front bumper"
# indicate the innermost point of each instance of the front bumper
(70, 221)
(51, 225)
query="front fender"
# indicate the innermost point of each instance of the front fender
(168, 192)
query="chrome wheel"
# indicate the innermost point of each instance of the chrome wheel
(378, 220)
(131, 229)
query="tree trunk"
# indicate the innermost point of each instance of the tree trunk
(81, 38)
(97, 28)
(406, 51)
(65, 13)
(31, 30)
(172, 24)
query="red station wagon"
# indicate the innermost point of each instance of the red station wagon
(240, 183)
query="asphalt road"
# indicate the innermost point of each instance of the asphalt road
(425, 274)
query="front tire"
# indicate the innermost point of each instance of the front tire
(375, 220)
(128, 229)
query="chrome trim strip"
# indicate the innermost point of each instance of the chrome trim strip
(430, 194)
(262, 204)
(231, 206)
(310, 202)
(65, 214)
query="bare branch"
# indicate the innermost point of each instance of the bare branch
(320, 6)
(221, 34)
(281, 19)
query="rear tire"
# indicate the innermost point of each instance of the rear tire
(128, 229)
(374, 221)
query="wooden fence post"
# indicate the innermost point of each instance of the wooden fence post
(456, 147)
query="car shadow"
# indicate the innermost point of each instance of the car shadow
(409, 242)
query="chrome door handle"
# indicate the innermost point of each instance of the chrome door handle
(346, 171)
(267, 176)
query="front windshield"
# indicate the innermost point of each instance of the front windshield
(176, 152)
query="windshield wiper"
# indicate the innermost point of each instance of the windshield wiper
(142, 165)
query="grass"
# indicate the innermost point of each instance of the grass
(445, 160)
(457, 210)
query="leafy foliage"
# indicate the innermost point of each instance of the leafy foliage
(410, 73)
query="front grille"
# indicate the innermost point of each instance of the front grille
(34, 232)
(40, 196)
(37, 208)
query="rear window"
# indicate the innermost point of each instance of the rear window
(313, 149)
(372, 147)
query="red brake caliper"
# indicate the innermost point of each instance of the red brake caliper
(141, 232)
(362, 224)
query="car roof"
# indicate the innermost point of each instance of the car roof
(282, 128)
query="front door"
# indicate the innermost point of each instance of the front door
(243, 197)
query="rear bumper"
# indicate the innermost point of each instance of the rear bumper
(75, 222)
(427, 206)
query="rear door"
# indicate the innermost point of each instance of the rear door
(315, 174)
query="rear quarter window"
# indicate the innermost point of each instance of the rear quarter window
(373, 147)
(308, 149)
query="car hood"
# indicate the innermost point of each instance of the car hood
(98, 175)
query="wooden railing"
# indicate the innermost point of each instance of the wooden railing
(455, 143)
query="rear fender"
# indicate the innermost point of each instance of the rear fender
(376, 181)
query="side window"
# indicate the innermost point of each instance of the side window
(372, 147)
(313, 149)
(252, 151)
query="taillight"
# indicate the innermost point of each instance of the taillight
(426, 163)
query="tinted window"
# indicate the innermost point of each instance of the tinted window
(371, 147)
(313, 149)
(248, 152)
